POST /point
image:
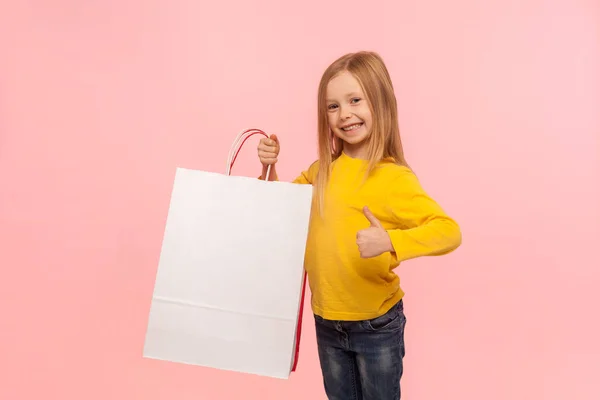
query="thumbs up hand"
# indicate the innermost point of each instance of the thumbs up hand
(373, 240)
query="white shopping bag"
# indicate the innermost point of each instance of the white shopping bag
(230, 281)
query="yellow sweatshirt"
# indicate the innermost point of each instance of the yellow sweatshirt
(345, 286)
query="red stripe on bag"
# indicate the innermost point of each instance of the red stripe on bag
(299, 328)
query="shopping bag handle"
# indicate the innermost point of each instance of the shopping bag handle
(237, 145)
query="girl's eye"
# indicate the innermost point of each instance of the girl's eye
(331, 107)
(355, 100)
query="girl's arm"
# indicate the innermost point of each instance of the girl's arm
(424, 229)
(272, 175)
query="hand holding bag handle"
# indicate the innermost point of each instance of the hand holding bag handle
(237, 146)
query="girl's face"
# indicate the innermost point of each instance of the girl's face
(348, 113)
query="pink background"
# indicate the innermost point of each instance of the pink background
(100, 101)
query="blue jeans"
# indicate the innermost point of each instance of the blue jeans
(362, 360)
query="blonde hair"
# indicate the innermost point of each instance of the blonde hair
(384, 140)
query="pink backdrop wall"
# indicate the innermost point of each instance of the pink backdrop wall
(100, 101)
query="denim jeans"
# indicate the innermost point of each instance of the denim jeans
(362, 360)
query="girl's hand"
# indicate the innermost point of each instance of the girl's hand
(374, 240)
(268, 150)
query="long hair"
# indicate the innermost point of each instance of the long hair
(384, 139)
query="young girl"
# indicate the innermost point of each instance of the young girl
(369, 214)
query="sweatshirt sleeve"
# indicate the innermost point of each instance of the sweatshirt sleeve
(308, 176)
(423, 228)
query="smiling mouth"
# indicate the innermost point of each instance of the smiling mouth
(352, 127)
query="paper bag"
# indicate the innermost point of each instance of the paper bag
(230, 280)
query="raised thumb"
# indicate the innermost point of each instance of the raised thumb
(374, 221)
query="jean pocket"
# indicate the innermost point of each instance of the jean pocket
(388, 321)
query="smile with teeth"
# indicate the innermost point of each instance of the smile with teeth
(352, 127)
